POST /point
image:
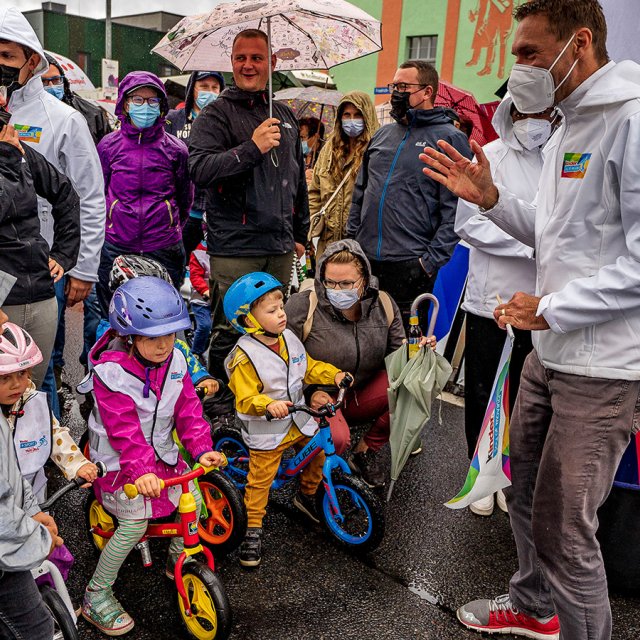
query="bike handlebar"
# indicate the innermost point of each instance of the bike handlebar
(76, 483)
(328, 409)
(131, 491)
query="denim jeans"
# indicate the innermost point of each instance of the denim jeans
(172, 258)
(202, 314)
(23, 615)
(566, 440)
(91, 310)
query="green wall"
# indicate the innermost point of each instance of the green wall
(359, 74)
(131, 46)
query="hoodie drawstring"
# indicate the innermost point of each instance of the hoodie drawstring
(147, 382)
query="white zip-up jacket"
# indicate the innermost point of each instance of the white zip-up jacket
(499, 265)
(585, 227)
(62, 136)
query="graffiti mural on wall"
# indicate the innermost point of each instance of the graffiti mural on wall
(493, 25)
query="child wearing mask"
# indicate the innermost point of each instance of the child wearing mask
(148, 190)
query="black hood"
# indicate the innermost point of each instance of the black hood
(191, 85)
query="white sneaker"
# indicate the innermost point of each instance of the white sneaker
(501, 501)
(483, 507)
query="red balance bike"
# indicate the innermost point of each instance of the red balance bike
(202, 600)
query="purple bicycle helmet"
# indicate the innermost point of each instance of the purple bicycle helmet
(147, 306)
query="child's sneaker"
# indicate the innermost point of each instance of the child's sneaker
(501, 616)
(102, 609)
(250, 553)
(306, 504)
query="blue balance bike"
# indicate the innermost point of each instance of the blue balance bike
(350, 511)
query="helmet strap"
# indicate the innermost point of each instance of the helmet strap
(258, 329)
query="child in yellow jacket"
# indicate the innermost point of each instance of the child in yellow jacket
(268, 369)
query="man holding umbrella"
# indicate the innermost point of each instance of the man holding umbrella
(253, 168)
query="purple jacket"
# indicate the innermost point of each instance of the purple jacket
(120, 419)
(147, 185)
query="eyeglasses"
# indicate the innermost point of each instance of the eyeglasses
(403, 86)
(139, 101)
(53, 81)
(342, 284)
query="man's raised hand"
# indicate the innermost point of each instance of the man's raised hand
(468, 180)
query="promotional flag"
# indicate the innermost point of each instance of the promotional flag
(489, 469)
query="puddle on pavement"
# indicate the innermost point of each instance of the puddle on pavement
(425, 594)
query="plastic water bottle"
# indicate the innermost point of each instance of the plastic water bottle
(415, 335)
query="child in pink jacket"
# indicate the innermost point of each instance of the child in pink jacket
(142, 390)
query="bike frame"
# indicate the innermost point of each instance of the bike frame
(186, 527)
(289, 469)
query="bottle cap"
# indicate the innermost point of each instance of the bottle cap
(413, 320)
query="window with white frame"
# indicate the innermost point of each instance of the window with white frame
(423, 48)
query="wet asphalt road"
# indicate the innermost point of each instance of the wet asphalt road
(431, 560)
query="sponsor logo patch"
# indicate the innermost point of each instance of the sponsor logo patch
(575, 165)
(27, 133)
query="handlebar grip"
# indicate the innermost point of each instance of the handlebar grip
(131, 491)
(347, 381)
(201, 392)
(102, 468)
(268, 416)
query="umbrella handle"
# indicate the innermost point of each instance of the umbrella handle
(436, 307)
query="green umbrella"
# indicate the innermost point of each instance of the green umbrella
(413, 385)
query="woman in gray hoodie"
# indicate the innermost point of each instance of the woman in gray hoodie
(346, 321)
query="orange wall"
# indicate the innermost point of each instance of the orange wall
(388, 57)
(450, 40)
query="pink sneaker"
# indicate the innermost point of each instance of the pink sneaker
(500, 616)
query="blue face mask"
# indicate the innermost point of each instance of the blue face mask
(343, 299)
(353, 127)
(305, 147)
(57, 91)
(143, 115)
(204, 98)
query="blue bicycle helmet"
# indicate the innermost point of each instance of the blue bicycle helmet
(243, 293)
(147, 306)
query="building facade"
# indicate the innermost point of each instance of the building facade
(468, 41)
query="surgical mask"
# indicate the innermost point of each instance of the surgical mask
(204, 98)
(532, 132)
(143, 115)
(400, 105)
(305, 147)
(353, 127)
(9, 80)
(56, 91)
(342, 298)
(532, 88)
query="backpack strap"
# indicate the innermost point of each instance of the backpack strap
(308, 323)
(387, 305)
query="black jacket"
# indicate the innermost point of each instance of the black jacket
(96, 116)
(397, 213)
(254, 207)
(24, 253)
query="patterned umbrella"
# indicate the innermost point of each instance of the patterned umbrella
(304, 34)
(312, 102)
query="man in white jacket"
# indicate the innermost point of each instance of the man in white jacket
(579, 393)
(62, 136)
(499, 265)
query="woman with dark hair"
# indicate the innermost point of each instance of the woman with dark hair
(337, 167)
(312, 139)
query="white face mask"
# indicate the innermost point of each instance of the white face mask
(532, 88)
(343, 299)
(532, 132)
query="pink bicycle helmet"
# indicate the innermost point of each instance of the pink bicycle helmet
(18, 351)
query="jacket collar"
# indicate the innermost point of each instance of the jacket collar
(150, 134)
(32, 89)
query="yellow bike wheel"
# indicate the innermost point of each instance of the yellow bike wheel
(97, 516)
(210, 610)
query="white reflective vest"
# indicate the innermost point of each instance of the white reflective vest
(155, 415)
(281, 380)
(33, 439)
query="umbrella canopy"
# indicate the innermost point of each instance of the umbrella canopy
(466, 106)
(305, 34)
(312, 102)
(78, 79)
(413, 385)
